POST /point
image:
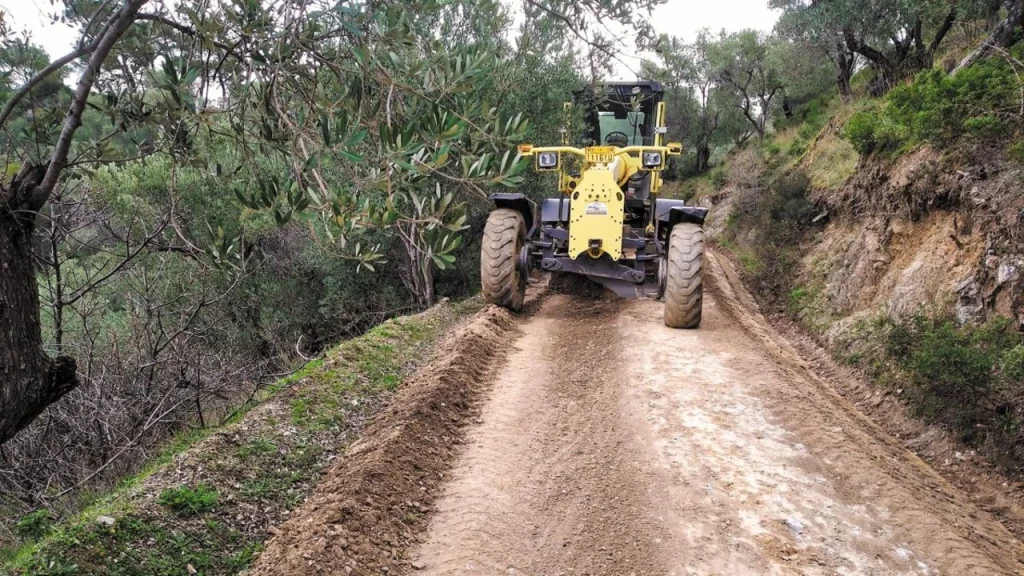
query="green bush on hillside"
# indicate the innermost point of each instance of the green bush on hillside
(981, 102)
(1016, 152)
(187, 501)
(965, 377)
(34, 525)
(870, 131)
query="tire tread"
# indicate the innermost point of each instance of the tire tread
(684, 293)
(499, 279)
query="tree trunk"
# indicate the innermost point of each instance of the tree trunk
(1001, 37)
(418, 274)
(29, 379)
(427, 270)
(703, 158)
(844, 64)
(845, 91)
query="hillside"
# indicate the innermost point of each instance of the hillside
(241, 242)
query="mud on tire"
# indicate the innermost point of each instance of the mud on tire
(501, 282)
(684, 292)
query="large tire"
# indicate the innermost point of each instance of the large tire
(502, 282)
(684, 292)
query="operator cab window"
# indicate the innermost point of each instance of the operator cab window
(621, 132)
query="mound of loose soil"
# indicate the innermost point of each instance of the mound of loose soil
(374, 501)
(578, 286)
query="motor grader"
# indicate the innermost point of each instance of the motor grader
(608, 222)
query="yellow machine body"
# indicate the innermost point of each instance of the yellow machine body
(596, 212)
(597, 207)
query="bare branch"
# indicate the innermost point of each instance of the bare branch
(230, 50)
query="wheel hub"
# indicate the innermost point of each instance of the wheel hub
(523, 261)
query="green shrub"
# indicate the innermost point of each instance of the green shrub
(797, 298)
(719, 177)
(940, 108)
(810, 117)
(871, 131)
(808, 131)
(34, 525)
(985, 126)
(1016, 152)
(186, 501)
(860, 130)
(960, 376)
(1011, 365)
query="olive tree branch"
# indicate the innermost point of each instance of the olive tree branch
(118, 25)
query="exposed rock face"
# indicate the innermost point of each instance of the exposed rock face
(970, 306)
(924, 234)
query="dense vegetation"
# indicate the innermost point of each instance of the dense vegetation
(981, 102)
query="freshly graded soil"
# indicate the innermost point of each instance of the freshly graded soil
(586, 437)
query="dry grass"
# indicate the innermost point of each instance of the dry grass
(830, 162)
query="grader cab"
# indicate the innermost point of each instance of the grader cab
(607, 222)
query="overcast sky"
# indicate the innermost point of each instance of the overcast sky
(31, 15)
(681, 18)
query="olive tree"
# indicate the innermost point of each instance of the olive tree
(897, 37)
(745, 66)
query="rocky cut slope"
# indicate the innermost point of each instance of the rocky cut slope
(926, 232)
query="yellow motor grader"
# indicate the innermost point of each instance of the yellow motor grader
(607, 223)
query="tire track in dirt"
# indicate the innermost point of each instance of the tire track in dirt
(554, 478)
(747, 496)
(604, 442)
(936, 522)
(611, 444)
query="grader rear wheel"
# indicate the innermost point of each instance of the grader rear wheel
(684, 292)
(501, 278)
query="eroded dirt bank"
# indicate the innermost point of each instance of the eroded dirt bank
(371, 505)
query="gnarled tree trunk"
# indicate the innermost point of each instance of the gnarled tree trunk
(703, 158)
(845, 61)
(29, 379)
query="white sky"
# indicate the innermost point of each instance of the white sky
(681, 18)
(684, 18)
(33, 15)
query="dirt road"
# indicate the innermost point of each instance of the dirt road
(610, 444)
(586, 438)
